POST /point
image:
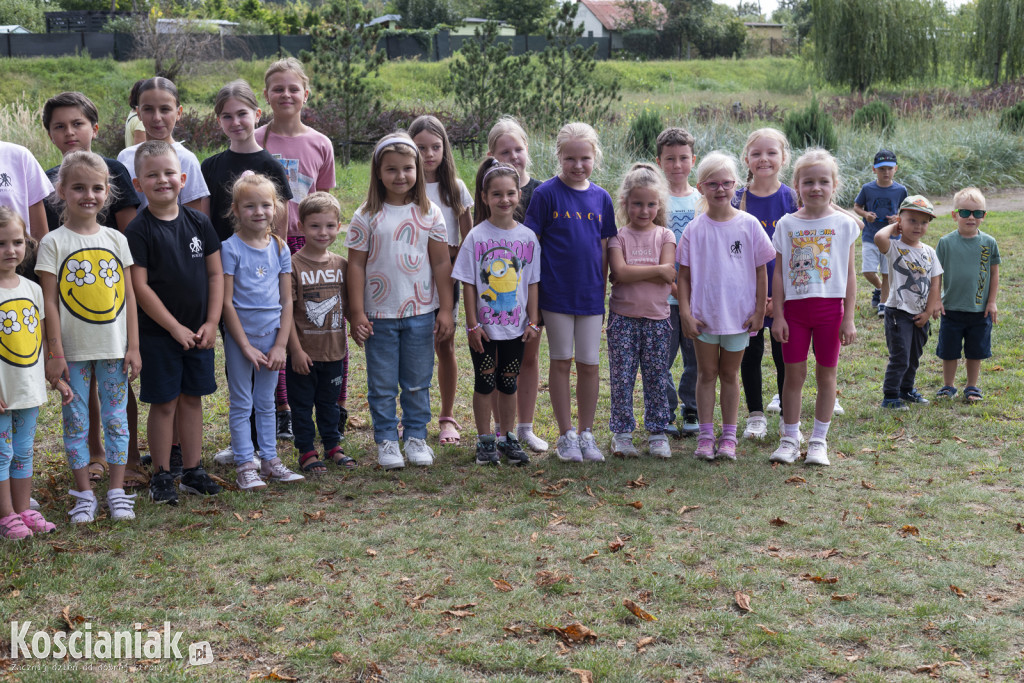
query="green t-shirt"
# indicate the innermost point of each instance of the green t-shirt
(967, 270)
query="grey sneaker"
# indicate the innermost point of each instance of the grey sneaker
(622, 445)
(568, 447)
(121, 505)
(787, 452)
(513, 450)
(388, 455)
(691, 424)
(274, 470)
(588, 446)
(248, 478)
(487, 451)
(657, 445)
(224, 456)
(418, 452)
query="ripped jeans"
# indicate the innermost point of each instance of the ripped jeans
(400, 355)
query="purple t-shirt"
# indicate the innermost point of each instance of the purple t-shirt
(768, 210)
(570, 225)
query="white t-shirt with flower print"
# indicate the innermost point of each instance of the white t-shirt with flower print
(22, 376)
(91, 272)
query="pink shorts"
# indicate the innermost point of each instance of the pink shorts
(817, 319)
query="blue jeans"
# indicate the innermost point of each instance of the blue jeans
(688, 379)
(400, 353)
(251, 388)
(318, 389)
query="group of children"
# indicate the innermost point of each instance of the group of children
(141, 260)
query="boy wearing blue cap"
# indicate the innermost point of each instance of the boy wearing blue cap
(876, 204)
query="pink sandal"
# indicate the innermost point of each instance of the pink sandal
(449, 435)
(12, 527)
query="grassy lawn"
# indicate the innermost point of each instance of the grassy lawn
(459, 573)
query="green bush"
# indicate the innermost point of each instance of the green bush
(1012, 118)
(643, 134)
(877, 116)
(811, 127)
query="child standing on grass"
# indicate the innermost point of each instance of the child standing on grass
(507, 143)
(399, 274)
(766, 198)
(676, 157)
(574, 219)
(449, 193)
(258, 318)
(641, 257)
(179, 282)
(876, 204)
(24, 186)
(84, 270)
(316, 344)
(815, 293)
(308, 160)
(723, 286)
(913, 298)
(160, 109)
(500, 265)
(970, 259)
(23, 331)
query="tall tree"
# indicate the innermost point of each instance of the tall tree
(426, 13)
(527, 16)
(686, 19)
(999, 39)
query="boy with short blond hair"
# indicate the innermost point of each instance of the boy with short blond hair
(676, 158)
(877, 204)
(970, 285)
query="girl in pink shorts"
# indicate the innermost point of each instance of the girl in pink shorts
(814, 288)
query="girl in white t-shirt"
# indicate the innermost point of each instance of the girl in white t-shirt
(22, 391)
(814, 290)
(723, 287)
(642, 260)
(399, 273)
(84, 270)
(447, 190)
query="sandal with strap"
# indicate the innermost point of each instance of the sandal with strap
(310, 463)
(97, 468)
(972, 395)
(337, 456)
(449, 435)
(133, 479)
(946, 392)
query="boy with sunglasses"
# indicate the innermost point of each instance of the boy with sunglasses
(970, 283)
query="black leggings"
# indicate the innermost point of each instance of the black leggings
(750, 370)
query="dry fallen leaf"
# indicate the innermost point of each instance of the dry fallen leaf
(960, 440)
(825, 554)
(687, 508)
(256, 514)
(317, 516)
(616, 545)
(778, 521)
(742, 601)
(417, 602)
(644, 642)
(549, 578)
(956, 591)
(449, 631)
(238, 517)
(578, 633)
(796, 480)
(1020, 528)
(844, 598)
(589, 557)
(637, 483)
(866, 484)
(339, 658)
(501, 584)
(820, 579)
(636, 504)
(768, 630)
(909, 530)
(461, 613)
(632, 607)
(71, 620)
(371, 552)
(585, 676)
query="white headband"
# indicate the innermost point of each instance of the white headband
(393, 140)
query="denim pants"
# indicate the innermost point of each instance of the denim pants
(638, 343)
(688, 380)
(112, 383)
(906, 344)
(250, 387)
(318, 389)
(17, 436)
(400, 354)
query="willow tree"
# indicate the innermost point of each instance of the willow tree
(999, 39)
(861, 42)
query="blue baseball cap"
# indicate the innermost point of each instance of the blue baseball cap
(884, 158)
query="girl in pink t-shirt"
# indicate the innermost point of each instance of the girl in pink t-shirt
(641, 260)
(723, 287)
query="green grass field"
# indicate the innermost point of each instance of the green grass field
(900, 560)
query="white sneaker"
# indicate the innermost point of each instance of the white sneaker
(530, 440)
(837, 410)
(817, 452)
(274, 470)
(657, 445)
(568, 447)
(225, 456)
(799, 434)
(622, 445)
(388, 455)
(120, 505)
(418, 452)
(757, 427)
(588, 447)
(775, 406)
(84, 510)
(787, 452)
(33, 504)
(248, 478)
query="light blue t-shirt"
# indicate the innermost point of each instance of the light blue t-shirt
(256, 291)
(681, 210)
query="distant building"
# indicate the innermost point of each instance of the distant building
(757, 30)
(610, 19)
(469, 25)
(390, 21)
(13, 28)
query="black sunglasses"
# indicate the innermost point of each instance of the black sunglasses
(977, 213)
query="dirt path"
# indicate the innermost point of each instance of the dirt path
(1011, 199)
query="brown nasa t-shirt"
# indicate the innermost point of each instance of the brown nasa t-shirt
(319, 312)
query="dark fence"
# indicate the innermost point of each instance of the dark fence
(81, 20)
(120, 46)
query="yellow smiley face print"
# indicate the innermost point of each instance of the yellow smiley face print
(91, 283)
(21, 335)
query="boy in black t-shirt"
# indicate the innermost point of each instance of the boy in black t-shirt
(179, 285)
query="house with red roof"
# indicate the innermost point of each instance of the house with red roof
(612, 18)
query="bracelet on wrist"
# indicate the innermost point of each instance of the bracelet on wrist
(50, 356)
(535, 328)
(475, 327)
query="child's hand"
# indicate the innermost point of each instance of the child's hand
(768, 308)
(444, 327)
(206, 336)
(939, 311)
(780, 330)
(892, 219)
(302, 364)
(276, 358)
(132, 364)
(3, 406)
(184, 336)
(922, 318)
(65, 391)
(57, 369)
(477, 337)
(530, 334)
(674, 291)
(847, 333)
(362, 328)
(991, 312)
(754, 323)
(254, 356)
(691, 326)
(896, 231)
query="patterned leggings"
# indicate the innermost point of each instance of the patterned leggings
(112, 383)
(638, 343)
(17, 434)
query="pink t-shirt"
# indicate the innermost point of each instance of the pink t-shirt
(641, 248)
(308, 160)
(723, 260)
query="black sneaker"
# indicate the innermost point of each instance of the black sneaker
(512, 450)
(691, 425)
(146, 459)
(914, 396)
(342, 420)
(161, 488)
(284, 425)
(486, 453)
(876, 298)
(176, 462)
(195, 480)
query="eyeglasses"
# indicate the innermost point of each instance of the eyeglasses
(727, 185)
(977, 213)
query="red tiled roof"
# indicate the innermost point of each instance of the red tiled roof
(612, 14)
